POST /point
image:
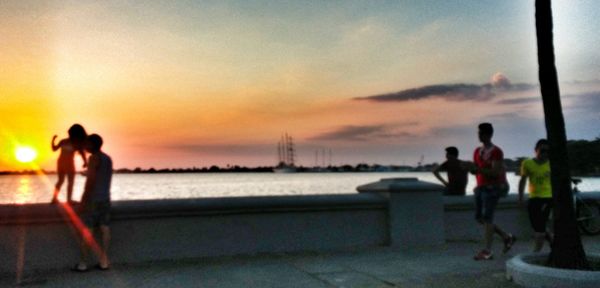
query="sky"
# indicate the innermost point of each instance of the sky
(197, 83)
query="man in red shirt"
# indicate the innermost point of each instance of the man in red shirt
(491, 184)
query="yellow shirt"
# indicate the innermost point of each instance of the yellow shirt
(539, 178)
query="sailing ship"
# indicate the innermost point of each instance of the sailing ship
(286, 154)
(321, 166)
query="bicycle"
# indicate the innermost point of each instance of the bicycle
(587, 211)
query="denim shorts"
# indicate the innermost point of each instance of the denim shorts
(96, 214)
(486, 199)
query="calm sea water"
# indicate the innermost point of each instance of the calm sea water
(38, 189)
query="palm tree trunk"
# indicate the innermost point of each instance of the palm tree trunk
(567, 250)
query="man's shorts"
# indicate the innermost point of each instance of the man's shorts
(486, 199)
(539, 211)
(96, 214)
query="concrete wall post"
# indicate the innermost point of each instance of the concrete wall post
(416, 210)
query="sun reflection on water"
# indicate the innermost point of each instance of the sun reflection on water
(24, 192)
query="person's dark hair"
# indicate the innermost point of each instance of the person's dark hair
(96, 141)
(540, 143)
(452, 151)
(486, 128)
(77, 135)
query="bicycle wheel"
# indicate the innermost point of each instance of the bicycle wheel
(588, 217)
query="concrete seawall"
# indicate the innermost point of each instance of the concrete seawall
(40, 236)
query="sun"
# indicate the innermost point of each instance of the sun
(25, 154)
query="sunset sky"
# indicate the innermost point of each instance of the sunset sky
(198, 83)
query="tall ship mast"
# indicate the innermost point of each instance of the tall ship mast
(286, 155)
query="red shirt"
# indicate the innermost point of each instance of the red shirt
(483, 158)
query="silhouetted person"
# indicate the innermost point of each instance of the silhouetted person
(95, 203)
(458, 173)
(491, 185)
(66, 159)
(539, 206)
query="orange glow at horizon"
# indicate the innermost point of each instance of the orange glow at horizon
(181, 84)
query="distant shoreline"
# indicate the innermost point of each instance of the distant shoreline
(237, 169)
(331, 169)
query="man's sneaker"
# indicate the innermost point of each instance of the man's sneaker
(483, 255)
(508, 243)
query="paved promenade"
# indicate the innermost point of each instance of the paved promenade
(450, 265)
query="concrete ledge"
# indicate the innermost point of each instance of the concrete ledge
(527, 271)
(40, 237)
(399, 185)
(139, 209)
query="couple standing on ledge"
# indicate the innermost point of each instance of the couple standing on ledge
(95, 201)
(492, 184)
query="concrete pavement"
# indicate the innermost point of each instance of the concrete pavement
(448, 265)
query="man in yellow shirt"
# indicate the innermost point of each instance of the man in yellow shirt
(537, 170)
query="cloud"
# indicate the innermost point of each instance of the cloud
(360, 133)
(588, 102)
(517, 101)
(222, 149)
(453, 92)
(499, 80)
(458, 92)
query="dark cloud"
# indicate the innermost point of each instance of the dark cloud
(588, 102)
(588, 81)
(518, 101)
(223, 149)
(454, 92)
(458, 130)
(504, 116)
(360, 133)
(458, 92)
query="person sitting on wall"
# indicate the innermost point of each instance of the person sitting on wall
(458, 173)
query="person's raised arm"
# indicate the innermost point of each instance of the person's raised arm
(54, 146)
(436, 173)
